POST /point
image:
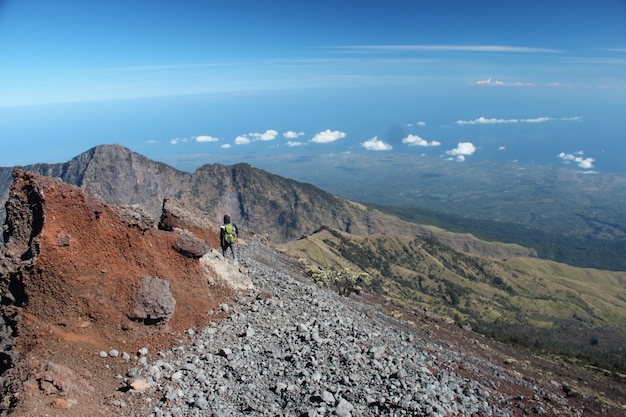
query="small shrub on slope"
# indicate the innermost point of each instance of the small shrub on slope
(345, 281)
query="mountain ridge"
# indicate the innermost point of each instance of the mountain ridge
(281, 208)
(98, 330)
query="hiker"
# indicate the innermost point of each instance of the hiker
(228, 236)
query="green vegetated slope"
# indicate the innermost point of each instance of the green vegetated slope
(533, 302)
(584, 250)
(563, 214)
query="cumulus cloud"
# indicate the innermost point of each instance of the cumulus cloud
(420, 123)
(414, 140)
(492, 121)
(292, 144)
(201, 139)
(328, 136)
(462, 150)
(290, 134)
(269, 134)
(204, 138)
(375, 144)
(226, 146)
(242, 140)
(578, 159)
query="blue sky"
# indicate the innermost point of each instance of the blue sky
(210, 81)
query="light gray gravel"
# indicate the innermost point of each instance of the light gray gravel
(306, 351)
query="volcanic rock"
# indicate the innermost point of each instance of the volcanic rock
(153, 300)
(73, 272)
(283, 346)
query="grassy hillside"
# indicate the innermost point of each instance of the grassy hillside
(579, 250)
(564, 215)
(532, 302)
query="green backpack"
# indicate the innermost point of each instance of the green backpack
(230, 235)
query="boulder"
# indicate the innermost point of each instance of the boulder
(153, 302)
(177, 214)
(220, 271)
(190, 245)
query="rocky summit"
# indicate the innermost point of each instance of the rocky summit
(107, 312)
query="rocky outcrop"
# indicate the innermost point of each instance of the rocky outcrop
(92, 275)
(177, 214)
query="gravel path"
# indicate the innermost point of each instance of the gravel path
(289, 348)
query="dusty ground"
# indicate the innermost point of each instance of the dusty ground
(77, 297)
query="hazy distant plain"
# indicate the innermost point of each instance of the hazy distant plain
(560, 200)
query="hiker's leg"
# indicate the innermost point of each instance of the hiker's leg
(232, 248)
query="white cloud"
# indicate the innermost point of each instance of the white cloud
(242, 140)
(489, 82)
(204, 138)
(226, 146)
(292, 135)
(485, 121)
(501, 148)
(268, 135)
(328, 136)
(375, 144)
(292, 144)
(420, 123)
(577, 158)
(176, 141)
(415, 140)
(247, 138)
(498, 83)
(462, 150)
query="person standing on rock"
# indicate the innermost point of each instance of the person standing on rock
(228, 237)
